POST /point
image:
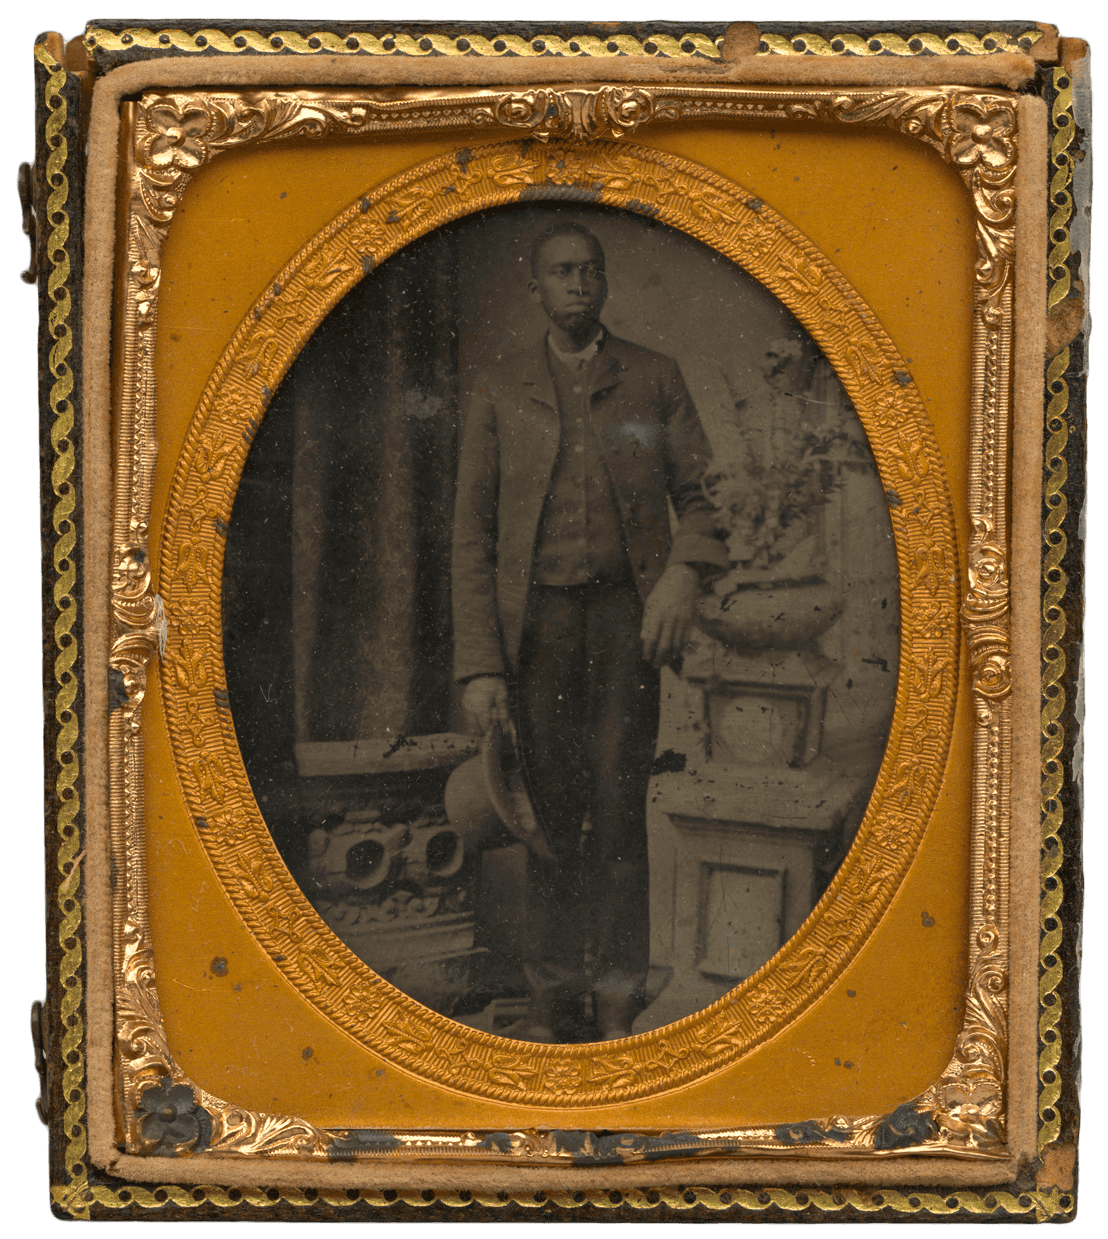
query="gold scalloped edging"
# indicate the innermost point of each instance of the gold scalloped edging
(1062, 122)
(71, 1019)
(432, 43)
(206, 756)
(1054, 582)
(926, 43)
(1054, 736)
(1044, 1205)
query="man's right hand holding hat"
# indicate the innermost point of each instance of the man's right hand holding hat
(485, 703)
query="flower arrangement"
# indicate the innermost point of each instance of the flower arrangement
(783, 470)
(767, 492)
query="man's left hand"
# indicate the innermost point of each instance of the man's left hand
(668, 618)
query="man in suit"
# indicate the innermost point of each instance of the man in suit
(569, 593)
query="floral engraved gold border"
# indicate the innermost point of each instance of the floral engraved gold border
(963, 1111)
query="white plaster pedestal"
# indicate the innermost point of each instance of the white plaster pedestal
(771, 737)
(744, 873)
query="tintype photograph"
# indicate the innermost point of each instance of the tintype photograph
(561, 624)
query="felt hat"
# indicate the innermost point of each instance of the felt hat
(487, 795)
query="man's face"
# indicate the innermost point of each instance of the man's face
(570, 284)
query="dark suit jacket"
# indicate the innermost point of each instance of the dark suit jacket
(654, 448)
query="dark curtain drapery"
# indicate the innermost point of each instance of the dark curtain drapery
(374, 442)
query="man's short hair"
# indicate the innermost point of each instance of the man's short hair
(561, 228)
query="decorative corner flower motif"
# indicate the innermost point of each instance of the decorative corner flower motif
(625, 108)
(176, 137)
(978, 135)
(967, 1112)
(170, 1121)
(988, 571)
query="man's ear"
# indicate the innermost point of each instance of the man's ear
(533, 289)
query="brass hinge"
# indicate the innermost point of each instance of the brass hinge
(30, 231)
(41, 1038)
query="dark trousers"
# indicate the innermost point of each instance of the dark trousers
(586, 707)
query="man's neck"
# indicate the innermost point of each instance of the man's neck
(566, 346)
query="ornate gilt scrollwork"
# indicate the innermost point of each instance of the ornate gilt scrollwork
(140, 628)
(974, 132)
(178, 133)
(607, 112)
(967, 1102)
(986, 615)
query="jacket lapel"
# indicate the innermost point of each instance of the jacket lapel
(536, 376)
(609, 369)
(607, 373)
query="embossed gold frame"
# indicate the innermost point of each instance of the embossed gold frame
(579, 114)
(582, 138)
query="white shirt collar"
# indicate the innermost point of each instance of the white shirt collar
(581, 355)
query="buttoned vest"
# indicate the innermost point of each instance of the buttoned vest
(580, 536)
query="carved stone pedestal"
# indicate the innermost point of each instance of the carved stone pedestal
(389, 874)
(770, 740)
(745, 874)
